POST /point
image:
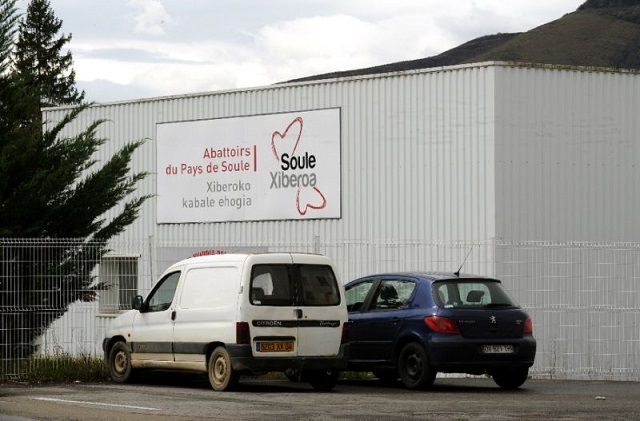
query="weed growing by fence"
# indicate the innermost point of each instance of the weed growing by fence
(57, 369)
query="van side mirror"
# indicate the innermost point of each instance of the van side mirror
(136, 303)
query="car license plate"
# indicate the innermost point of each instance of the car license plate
(274, 346)
(497, 349)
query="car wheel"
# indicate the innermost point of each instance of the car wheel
(323, 379)
(221, 374)
(386, 376)
(413, 367)
(510, 379)
(120, 363)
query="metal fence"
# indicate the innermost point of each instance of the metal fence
(58, 297)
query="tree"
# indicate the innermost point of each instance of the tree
(51, 188)
(51, 194)
(8, 19)
(39, 59)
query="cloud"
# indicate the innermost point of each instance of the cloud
(151, 17)
(164, 68)
(104, 90)
(341, 42)
(208, 46)
(131, 55)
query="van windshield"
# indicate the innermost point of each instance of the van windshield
(288, 285)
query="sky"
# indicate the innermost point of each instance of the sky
(132, 49)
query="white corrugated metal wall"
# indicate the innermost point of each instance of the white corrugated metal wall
(567, 154)
(567, 171)
(417, 156)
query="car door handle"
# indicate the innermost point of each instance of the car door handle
(395, 320)
(298, 313)
(173, 315)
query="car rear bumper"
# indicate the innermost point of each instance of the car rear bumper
(462, 355)
(243, 360)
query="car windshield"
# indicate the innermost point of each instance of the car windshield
(471, 293)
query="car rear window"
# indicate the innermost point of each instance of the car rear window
(474, 293)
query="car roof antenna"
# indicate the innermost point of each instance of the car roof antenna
(457, 273)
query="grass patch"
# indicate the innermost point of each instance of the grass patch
(356, 375)
(55, 369)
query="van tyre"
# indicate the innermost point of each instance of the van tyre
(413, 367)
(120, 363)
(221, 374)
(323, 380)
(510, 379)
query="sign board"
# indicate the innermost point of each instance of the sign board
(265, 167)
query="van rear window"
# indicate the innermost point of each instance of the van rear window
(287, 285)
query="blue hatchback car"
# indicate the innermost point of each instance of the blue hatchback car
(410, 326)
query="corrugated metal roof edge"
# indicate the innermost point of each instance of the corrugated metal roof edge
(368, 76)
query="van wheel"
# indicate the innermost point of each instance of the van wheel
(323, 379)
(221, 375)
(413, 367)
(120, 363)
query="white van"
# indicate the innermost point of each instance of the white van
(232, 314)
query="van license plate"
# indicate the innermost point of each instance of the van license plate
(497, 349)
(274, 346)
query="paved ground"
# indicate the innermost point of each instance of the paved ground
(167, 398)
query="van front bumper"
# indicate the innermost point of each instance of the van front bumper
(242, 359)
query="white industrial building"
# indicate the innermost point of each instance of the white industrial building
(534, 168)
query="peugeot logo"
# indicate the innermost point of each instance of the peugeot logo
(492, 320)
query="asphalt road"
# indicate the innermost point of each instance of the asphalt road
(189, 398)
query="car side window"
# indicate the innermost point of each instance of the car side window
(161, 297)
(393, 294)
(356, 295)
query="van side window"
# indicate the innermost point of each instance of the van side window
(161, 297)
(271, 285)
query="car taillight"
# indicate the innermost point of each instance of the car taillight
(242, 333)
(528, 326)
(442, 324)
(345, 333)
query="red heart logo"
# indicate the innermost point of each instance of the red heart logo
(296, 132)
(319, 201)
